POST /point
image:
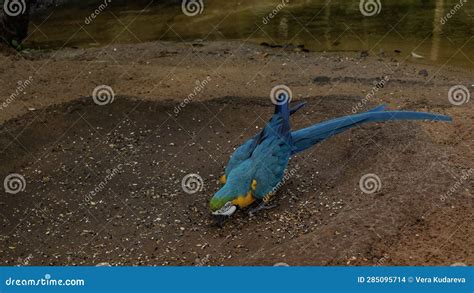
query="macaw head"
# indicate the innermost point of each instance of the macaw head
(236, 192)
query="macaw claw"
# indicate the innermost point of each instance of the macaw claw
(261, 206)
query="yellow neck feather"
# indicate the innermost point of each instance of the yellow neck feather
(244, 201)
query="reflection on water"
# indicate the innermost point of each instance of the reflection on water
(319, 25)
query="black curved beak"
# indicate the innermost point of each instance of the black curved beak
(219, 220)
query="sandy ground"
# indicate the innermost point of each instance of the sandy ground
(65, 145)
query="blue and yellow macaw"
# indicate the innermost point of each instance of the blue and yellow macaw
(256, 167)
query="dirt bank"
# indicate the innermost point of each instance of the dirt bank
(66, 146)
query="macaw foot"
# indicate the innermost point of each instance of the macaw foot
(261, 206)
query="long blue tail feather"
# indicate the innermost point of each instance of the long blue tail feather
(309, 136)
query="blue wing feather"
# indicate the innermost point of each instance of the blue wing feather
(279, 123)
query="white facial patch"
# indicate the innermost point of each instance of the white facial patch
(227, 210)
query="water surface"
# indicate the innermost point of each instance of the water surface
(401, 27)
